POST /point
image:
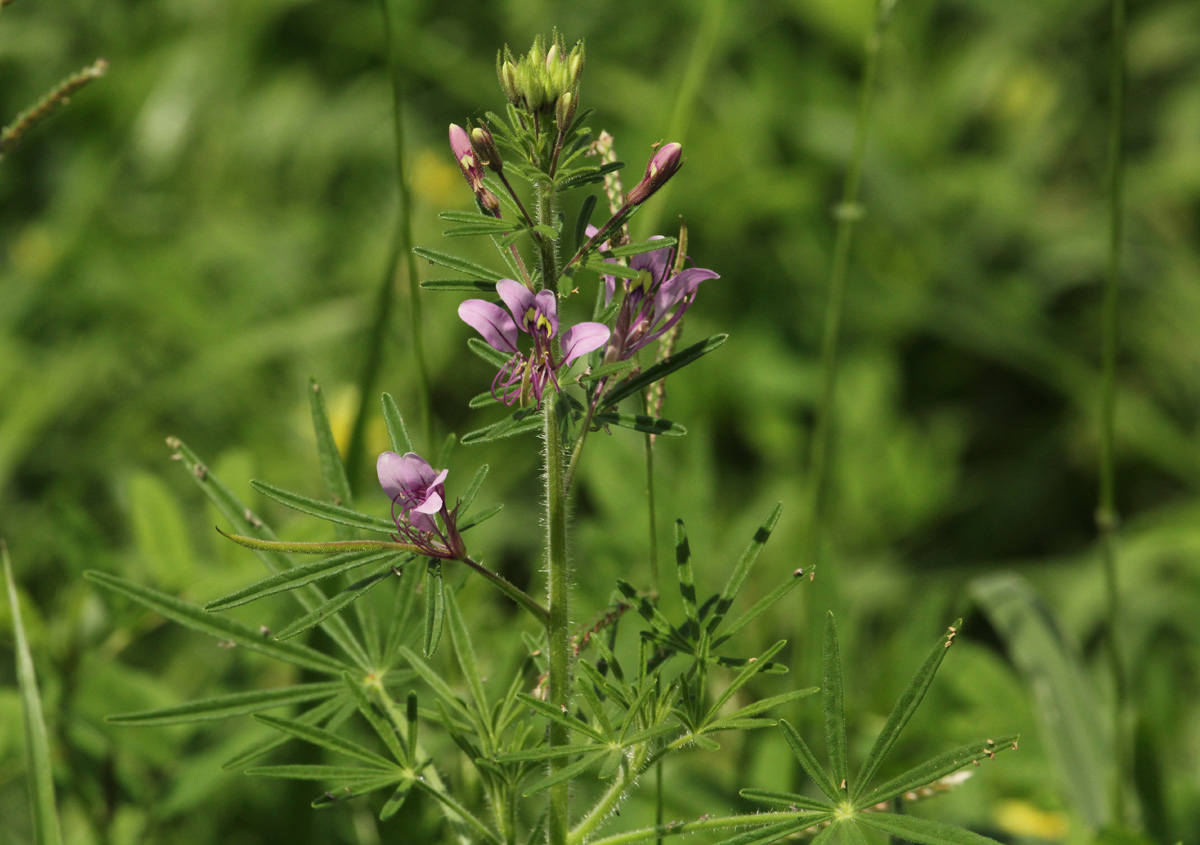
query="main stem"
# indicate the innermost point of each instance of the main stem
(558, 633)
(1106, 512)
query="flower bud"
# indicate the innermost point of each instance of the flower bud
(481, 138)
(659, 170)
(564, 111)
(508, 81)
(464, 154)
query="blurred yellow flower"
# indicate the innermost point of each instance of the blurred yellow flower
(1024, 819)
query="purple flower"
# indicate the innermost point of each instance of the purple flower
(537, 316)
(418, 495)
(654, 302)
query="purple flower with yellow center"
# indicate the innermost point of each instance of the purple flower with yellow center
(418, 496)
(654, 302)
(535, 314)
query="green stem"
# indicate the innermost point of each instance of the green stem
(1106, 513)
(611, 798)
(558, 628)
(848, 213)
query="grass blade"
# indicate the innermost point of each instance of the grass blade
(37, 742)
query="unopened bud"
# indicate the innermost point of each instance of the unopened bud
(661, 167)
(481, 138)
(508, 81)
(489, 201)
(575, 64)
(564, 111)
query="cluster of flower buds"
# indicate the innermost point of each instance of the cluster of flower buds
(544, 81)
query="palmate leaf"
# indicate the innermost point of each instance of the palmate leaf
(747, 714)
(226, 706)
(333, 712)
(198, 619)
(936, 768)
(565, 773)
(42, 806)
(742, 569)
(743, 677)
(329, 741)
(355, 790)
(383, 729)
(808, 761)
(464, 654)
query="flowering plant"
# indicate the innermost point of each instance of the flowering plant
(582, 708)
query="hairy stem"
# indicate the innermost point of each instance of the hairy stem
(557, 629)
(1106, 513)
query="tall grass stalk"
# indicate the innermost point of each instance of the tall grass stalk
(400, 255)
(1106, 512)
(847, 213)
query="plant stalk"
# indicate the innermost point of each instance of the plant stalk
(1106, 512)
(558, 627)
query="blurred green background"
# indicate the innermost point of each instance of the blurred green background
(205, 228)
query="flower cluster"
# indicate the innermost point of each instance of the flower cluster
(653, 303)
(537, 316)
(418, 496)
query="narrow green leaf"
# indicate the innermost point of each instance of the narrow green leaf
(641, 422)
(479, 516)
(226, 630)
(936, 768)
(384, 729)
(492, 356)
(397, 800)
(1067, 709)
(743, 677)
(654, 616)
(394, 420)
(766, 704)
(923, 831)
(760, 607)
(334, 604)
(639, 247)
(906, 705)
(305, 574)
(358, 788)
(327, 740)
(37, 741)
(588, 176)
(598, 680)
(784, 799)
(333, 471)
(549, 752)
(554, 714)
(565, 773)
(742, 569)
(808, 761)
(482, 400)
(468, 495)
(519, 422)
(581, 222)
(436, 683)
(325, 510)
(326, 548)
(662, 369)
(470, 285)
(833, 706)
(464, 653)
(477, 229)
(457, 810)
(588, 690)
(462, 265)
(769, 833)
(232, 704)
(472, 217)
(686, 578)
(336, 710)
(435, 607)
(320, 772)
(607, 268)
(402, 621)
(607, 370)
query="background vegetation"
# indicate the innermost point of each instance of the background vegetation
(206, 227)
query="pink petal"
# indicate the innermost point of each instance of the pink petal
(582, 339)
(490, 320)
(517, 297)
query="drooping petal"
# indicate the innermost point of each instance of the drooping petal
(517, 297)
(677, 287)
(491, 321)
(582, 339)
